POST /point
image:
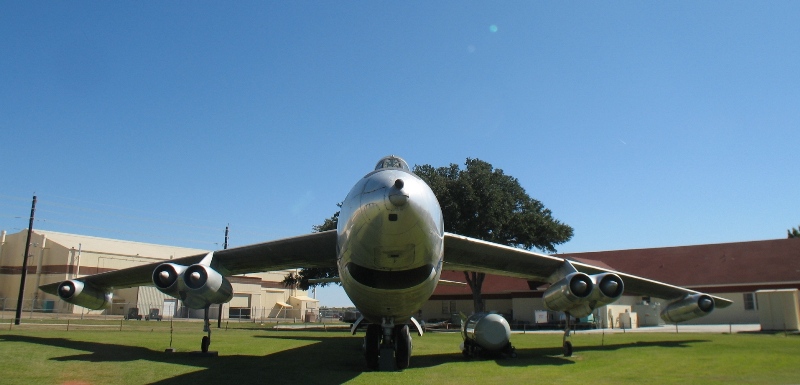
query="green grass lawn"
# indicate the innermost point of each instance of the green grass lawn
(251, 353)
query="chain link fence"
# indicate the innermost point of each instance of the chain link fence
(140, 311)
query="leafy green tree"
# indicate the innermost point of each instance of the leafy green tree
(480, 202)
(483, 202)
(794, 233)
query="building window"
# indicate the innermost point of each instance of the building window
(445, 308)
(453, 307)
(750, 301)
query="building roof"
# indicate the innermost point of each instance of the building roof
(739, 266)
(117, 246)
(706, 266)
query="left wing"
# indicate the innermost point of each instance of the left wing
(469, 254)
(312, 250)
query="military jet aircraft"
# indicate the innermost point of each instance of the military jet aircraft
(390, 248)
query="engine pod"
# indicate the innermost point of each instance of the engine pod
(570, 294)
(204, 286)
(81, 294)
(690, 307)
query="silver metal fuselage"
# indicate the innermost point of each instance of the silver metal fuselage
(390, 244)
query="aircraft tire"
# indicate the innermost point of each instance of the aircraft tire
(372, 345)
(567, 349)
(204, 344)
(402, 352)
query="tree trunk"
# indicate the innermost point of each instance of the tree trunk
(475, 282)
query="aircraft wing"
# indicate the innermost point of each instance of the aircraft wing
(312, 250)
(469, 254)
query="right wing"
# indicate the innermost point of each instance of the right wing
(311, 250)
(469, 254)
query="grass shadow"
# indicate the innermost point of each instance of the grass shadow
(318, 363)
(327, 359)
(554, 356)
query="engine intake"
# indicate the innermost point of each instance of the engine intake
(167, 276)
(610, 288)
(690, 307)
(79, 293)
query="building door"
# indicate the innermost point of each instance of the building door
(169, 308)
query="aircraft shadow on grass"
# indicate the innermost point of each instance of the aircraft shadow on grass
(326, 360)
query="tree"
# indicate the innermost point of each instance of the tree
(483, 202)
(794, 233)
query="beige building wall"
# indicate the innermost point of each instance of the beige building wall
(55, 257)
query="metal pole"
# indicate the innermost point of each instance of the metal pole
(224, 246)
(24, 274)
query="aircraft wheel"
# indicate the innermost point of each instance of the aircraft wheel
(567, 349)
(204, 345)
(372, 345)
(511, 351)
(402, 352)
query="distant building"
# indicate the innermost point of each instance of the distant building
(730, 270)
(55, 257)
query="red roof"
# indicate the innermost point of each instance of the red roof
(741, 263)
(740, 266)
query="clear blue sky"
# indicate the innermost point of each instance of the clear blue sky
(640, 124)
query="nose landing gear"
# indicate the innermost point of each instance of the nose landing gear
(387, 346)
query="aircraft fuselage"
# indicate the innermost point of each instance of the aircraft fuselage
(390, 244)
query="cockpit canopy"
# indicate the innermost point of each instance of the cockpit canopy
(392, 161)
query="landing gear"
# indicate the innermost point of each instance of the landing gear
(402, 351)
(372, 345)
(567, 344)
(206, 328)
(387, 346)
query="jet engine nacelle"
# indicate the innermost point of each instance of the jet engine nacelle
(608, 288)
(570, 294)
(79, 293)
(197, 286)
(167, 278)
(579, 294)
(205, 286)
(692, 306)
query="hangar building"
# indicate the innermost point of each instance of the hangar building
(730, 270)
(55, 257)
